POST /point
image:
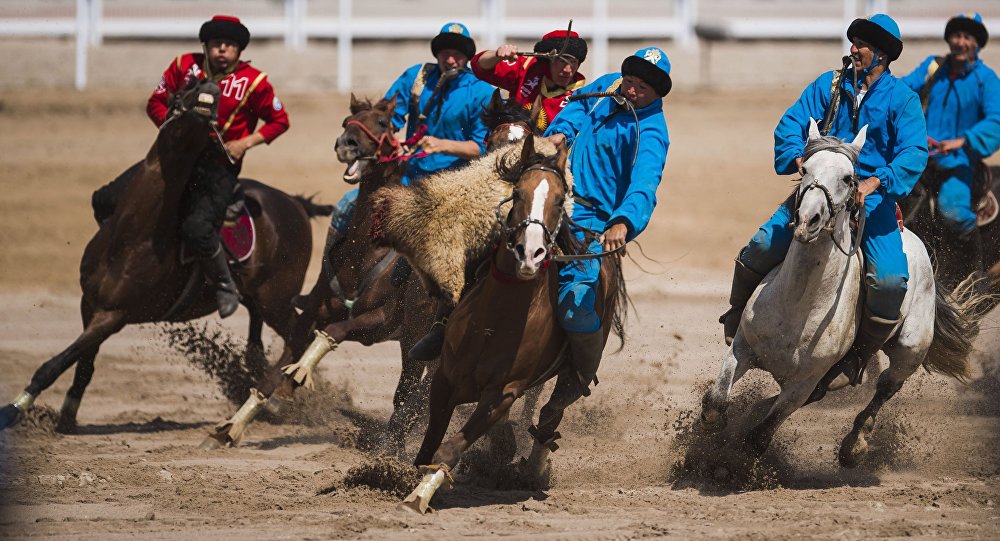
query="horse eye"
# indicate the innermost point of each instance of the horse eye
(383, 123)
(847, 179)
(560, 201)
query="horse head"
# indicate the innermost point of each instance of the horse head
(369, 135)
(184, 134)
(537, 211)
(508, 121)
(828, 184)
(200, 97)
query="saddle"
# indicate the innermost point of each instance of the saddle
(238, 234)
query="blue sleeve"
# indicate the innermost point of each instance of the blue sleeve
(915, 80)
(793, 129)
(475, 129)
(401, 89)
(984, 137)
(637, 206)
(573, 117)
(900, 175)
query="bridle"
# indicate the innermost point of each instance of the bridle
(524, 123)
(849, 204)
(509, 233)
(178, 107)
(388, 139)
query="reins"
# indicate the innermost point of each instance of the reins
(849, 203)
(397, 152)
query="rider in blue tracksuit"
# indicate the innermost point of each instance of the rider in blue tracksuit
(961, 99)
(894, 155)
(616, 166)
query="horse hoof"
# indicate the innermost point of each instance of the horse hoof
(853, 448)
(211, 443)
(66, 425)
(9, 415)
(278, 406)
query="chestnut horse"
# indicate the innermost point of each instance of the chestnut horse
(367, 294)
(504, 337)
(131, 271)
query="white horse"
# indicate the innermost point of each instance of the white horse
(804, 315)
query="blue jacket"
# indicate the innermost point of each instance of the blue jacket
(895, 148)
(459, 120)
(602, 152)
(967, 106)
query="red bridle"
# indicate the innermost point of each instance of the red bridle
(397, 150)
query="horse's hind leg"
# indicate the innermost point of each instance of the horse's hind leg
(71, 404)
(568, 390)
(407, 401)
(716, 399)
(903, 362)
(792, 397)
(96, 331)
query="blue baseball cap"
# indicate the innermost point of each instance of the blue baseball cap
(652, 66)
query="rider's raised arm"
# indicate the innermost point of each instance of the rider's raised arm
(915, 80)
(984, 137)
(909, 144)
(266, 105)
(504, 74)
(637, 206)
(792, 131)
(157, 107)
(401, 89)
(574, 115)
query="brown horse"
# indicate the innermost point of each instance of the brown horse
(367, 293)
(504, 337)
(131, 271)
(952, 257)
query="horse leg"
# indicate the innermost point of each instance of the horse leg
(102, 325)
(568, 390)
(792, 397)
(530, 404)
(503, 444)
(405, 406)
(71, 404)
(255, 334)
(903, 362)
(716, 399)
(492, 407)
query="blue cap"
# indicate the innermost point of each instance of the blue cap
(454, 36)
(880, 31)
(652, 66)
(971, 23)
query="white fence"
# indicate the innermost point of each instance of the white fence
(677, 20)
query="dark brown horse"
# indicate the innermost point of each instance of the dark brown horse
(366, 293)
(954, 259)
(504, 337)
(131, 270)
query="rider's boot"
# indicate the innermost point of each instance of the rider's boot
(745, 282)
(429, 347)
(871, 337)
(587, 349)
(227, 295)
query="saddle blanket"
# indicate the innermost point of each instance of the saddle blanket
(239, 236)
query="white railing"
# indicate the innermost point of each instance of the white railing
(493, 27)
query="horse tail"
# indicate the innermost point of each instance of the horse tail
(620, 299)
(313, 209)
(956, 325)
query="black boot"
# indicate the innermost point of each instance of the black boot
(429, 347)
(871, 337)
(227, 295)
(587, 349)
(745, 282)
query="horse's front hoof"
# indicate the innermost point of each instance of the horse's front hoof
(278, 406)
(852, 450)
(9, 415)
(66, 425)
(212, 442)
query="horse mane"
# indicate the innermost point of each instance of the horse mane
(510, 113)
(510, 170)
(832, 144)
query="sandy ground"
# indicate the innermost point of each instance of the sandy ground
(134, 469)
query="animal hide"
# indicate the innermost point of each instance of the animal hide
(447, 220)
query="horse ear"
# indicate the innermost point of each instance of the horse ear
(813, 129)
(528, 149)
(859, 141)
(561, 155)
(357, 105)
(496, 102)
(536, 111)
(389, 104)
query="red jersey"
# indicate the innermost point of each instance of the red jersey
(524, 78)
(245, 96)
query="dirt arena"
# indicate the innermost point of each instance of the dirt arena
(135, 470)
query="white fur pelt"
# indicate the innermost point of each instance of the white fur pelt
(448, 219)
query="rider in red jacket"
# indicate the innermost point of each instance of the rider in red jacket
(246, 97)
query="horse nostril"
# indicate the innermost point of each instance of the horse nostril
(814, 220)
(539, 253)
(351, 142)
